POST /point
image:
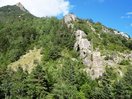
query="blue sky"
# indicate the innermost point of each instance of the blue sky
(116, 14)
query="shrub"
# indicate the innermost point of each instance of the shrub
(125, 62)
(52, 53)
(108, 58)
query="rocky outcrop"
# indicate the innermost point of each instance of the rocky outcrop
(21, 7)
(121, 33)
(83, 46)
(69, 19)
(92, 60)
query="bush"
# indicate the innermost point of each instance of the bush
(125, 62)
(108, 58)
(52, 53)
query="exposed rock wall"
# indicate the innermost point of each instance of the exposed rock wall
(83, 46)
(92, 60)
(121, 33)
(21, 6)
(68, 19)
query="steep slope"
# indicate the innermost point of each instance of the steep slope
(90, 49)
(69, 58)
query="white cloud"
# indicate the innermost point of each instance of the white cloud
(42, 8)
(126, 17)
(129, 13)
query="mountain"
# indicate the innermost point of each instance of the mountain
(15, 12)
(53, 58)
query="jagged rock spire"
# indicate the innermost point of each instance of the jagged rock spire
(21, 6)
(68, 19)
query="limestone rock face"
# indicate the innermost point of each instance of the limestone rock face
(21, 6)
(68, 19)
(97, 68)
(92, 60)
(82, 44)
(121, 33)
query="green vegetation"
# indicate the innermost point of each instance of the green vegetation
(60, 75)
(105, 41)
(125, 62)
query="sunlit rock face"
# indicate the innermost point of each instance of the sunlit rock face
(121, 33)
(69, 19)
(92, 60)
(83, 46)
(21, 6)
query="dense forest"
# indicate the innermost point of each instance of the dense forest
(60, 75)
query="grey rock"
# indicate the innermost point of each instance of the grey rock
(21, 7)
(93, 66)
(68, 19)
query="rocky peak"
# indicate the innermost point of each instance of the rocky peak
(68, 19)
(21, 6)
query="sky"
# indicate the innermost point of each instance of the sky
(115, 14)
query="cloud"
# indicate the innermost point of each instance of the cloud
(126, 17)
(42, 8)
(129, 13)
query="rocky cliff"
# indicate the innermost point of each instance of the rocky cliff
(92, 58)
(21, 7)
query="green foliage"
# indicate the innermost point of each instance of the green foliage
(108, 58)
(129, 44)
(125, 62)
(13, 84)
(98, 27)
(52, 53)
(124, 87)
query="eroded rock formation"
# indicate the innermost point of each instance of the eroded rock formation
(69, 19)
(91, 59)
(21, 7)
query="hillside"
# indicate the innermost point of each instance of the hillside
(14, 13)
(69, 58)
